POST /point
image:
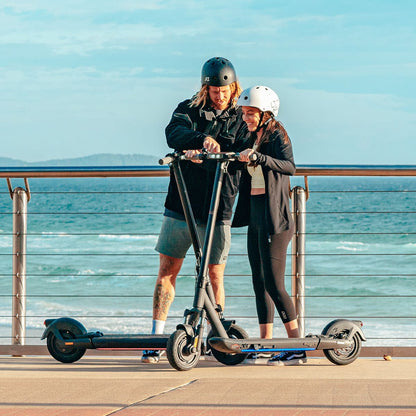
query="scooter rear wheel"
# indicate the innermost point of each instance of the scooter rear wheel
(64, 353)
(228, 358)
(180, 353)
(341, 329)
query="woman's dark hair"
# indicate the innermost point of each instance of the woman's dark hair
(271, 126)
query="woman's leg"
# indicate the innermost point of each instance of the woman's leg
(264, 304)
(274, 274)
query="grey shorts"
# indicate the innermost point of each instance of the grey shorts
(174, 240)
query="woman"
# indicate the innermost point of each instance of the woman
(263, 205)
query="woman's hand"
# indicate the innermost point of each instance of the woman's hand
(245, 155)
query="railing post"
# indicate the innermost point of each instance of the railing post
(20, 200)
(299, 196)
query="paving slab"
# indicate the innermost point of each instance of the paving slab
(122, 386)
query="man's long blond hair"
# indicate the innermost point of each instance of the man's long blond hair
(202, 97)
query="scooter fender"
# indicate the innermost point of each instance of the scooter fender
(333, 343)
(357, 328)
(187, 328)
(56, 325)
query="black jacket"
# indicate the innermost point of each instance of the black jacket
(187, 129)
(276, 159)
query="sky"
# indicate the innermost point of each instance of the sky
(103, 76)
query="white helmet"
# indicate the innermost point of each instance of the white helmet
(261, 97)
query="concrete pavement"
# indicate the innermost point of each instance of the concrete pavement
(122, 386)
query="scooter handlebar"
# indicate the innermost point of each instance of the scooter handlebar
(232, 156)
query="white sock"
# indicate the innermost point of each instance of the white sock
(158, 326)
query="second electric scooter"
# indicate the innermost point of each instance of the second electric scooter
(340, 340)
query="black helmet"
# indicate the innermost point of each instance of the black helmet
(218, 72)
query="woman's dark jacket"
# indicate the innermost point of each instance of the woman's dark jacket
(187, 129)
(276, 160)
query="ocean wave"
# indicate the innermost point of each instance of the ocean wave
(352, 246)
(5, 242)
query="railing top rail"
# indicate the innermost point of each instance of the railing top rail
(356, 170)
(83, 171)
(160, 171)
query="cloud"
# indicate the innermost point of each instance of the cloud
(77, 7)
(78, 38)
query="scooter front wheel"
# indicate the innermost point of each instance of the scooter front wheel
(340, 330)
(180, 352)
(65, 353)
(228, 358)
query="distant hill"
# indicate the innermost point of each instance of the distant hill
(102, 159)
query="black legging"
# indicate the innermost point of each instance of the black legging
(268, 261)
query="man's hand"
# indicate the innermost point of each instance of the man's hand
(211, 145)
(191, 153)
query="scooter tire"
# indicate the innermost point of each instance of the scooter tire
(179, 351)
(234, 331)
(65, 354)
(343, 356)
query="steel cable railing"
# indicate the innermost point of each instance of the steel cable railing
(312, 274)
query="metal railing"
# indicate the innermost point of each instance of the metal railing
(22, 195)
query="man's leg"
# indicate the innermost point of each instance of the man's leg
(162, 299)
(172, 245)
(216, 275)
(217, 262)
(164, 293)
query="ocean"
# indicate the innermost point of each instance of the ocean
(90, 255)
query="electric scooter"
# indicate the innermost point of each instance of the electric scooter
(68, 339)
(340, 340)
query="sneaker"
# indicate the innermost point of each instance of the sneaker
(257, 358)
(151, 357)
(288, 358)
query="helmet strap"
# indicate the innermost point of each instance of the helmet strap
(259, 126)
(262, 126)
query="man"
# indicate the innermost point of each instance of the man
(212, 121)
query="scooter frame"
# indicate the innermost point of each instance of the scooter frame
(185, 345)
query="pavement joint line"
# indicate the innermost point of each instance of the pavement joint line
(114, 412)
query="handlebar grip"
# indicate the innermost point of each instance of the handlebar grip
(253, 157)
(166, 160)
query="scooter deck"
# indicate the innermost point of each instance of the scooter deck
(242, 346)
(130, 341)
